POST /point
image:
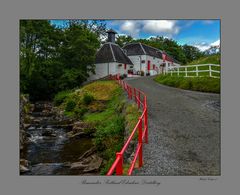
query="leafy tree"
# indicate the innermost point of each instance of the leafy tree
(122, 40)
(191, 52)
(53, 59)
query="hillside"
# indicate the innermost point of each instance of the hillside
(212, 59)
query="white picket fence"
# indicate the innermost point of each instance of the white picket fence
(184, 70)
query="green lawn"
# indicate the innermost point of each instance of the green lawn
(204, 84)
(212, 59)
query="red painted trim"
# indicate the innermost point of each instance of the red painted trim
(148, 65)
(164, 57)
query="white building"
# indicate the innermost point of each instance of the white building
(149, 59)
(132, 58)
(110, 59)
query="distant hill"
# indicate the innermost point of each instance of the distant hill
(212, 59)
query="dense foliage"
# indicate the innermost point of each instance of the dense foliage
(54, 59)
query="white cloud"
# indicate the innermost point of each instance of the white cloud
(131, 27)
(205, 46)
(156, 27)
(202, 47)
(216, 43)
(161, 26)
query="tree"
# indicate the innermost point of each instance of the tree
(54, 59)
(191, 52)
(78, 54)
(121, 40)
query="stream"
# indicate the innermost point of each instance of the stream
(49, 149)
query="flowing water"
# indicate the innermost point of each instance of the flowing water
(49, 148)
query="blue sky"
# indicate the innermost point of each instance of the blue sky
(199, 33)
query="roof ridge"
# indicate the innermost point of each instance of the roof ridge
(114, 58)
(130, 44)
(142, 48)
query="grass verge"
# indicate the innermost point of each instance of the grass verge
(203, 84)
(103, 105)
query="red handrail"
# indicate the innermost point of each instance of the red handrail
(142, 126)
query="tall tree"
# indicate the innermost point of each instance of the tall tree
(121, 40)
(53, 59)
(78, 54)
(191, 52)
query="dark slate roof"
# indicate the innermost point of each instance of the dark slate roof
(151, 51)
(133, 49)
(141, 49)
(111, 52)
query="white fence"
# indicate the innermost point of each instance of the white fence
(200, 70)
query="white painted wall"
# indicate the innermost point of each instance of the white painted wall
(101, 70)
(136, 61)
(153, 60)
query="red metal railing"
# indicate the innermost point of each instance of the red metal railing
(141, 126)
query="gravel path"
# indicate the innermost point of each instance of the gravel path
(184, 131)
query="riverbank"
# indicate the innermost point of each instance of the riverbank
(102, 107)
(80, 133)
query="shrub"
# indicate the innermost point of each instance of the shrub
(70, 105)
(142, 73)
(87, 98)
(79, 112)
(60, 97)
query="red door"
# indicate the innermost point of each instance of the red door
(148, 66)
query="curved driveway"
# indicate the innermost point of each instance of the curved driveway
(184, 131)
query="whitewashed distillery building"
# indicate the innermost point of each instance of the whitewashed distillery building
(133, 58)
(111, 59)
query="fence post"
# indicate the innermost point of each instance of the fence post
(146, 120)
(131, 93)
(210, 70)
(138, 99)
(134, 92)
(119, 170)
(197, 71)
(140, 161)
(178, 71)
(185, 71)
